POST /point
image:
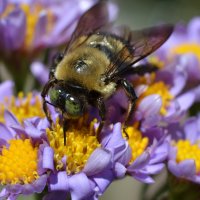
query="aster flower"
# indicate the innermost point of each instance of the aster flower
(28, 25)
(183, 161)
(183, 48)
(84, 167)
(148, 154)
(21, 171)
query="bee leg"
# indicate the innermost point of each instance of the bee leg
(102, 113)
(132, 98)
(45, 91)
(141, 69)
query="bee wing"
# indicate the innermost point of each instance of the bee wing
(140, 44)
(101, 14)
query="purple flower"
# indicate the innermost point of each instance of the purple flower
(183, 161)
(37, 24)
(85, 176)
(21, 171)
(183, 47)
(148, 154)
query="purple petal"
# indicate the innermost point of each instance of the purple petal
(154, 169)
(197, 93)
(59, 181)
(40, 184)
(48, 158)
(5, 134)
(31, 130)
(113, 11)
(179, 83)
(54, 195)
(6, 89)
(144, 178)
(186, 100)
(150, 105)
(119, 170)
(194, 29)
(97, 162)
(3, 4)
(191, 130)
(187, 168)
(122, 154)
(10, 119)
(183, 169)
(116, 139)
(14, 27)
(40, 72)
(4, 193)
(103, 180)
(160, 153)
(80, 187)
(140, 162)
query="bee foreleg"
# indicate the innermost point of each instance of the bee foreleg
(141, 69)
(43, 94)
(132, 98)
(102, 113)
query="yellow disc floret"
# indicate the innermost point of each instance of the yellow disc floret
(186, 150)
(81, 141)
(187, 48)
(137, 143)
(162, 90)
(18, 162)
(22, 107)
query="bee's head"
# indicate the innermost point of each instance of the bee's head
(72, 105)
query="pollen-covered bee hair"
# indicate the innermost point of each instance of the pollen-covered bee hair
(95, 62)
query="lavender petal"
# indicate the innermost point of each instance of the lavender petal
(98, 161)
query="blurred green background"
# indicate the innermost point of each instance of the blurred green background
(139, 14)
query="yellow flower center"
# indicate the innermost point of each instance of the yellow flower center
(18, 162)
(163, 91)
(186, 150)
(22, 108)
(81, 142)
(187, 48)
(137, 143)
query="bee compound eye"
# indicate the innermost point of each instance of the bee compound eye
(54, 95)
(73, 106)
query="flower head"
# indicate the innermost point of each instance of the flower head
(184, 159)
(28, 25)
(85, 166)
(20, 170)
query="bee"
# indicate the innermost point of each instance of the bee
(94, 65)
